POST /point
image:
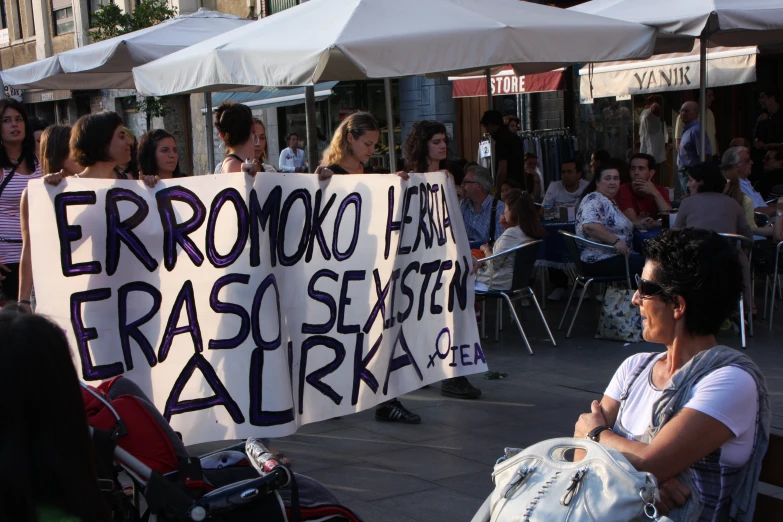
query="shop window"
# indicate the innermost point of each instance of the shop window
(3, 24)
(62, 12)
(275, 6)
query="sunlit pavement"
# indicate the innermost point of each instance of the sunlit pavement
(440, 470)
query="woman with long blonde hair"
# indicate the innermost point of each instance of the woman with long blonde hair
(734, 191)
(352, 145)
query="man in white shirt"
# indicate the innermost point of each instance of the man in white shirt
(652, 133)
(292, 157)
(570, 188)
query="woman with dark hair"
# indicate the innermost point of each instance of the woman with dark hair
(56, 151)
(129, 170)
(522, 224)
(37, 125)
(597, 158)
(512, 123)
(261, 146)
(234, 123)
(158, 155)
(696, 416)
(49, 472)
(55, 157)
(599, 219)
(709, 208)
(19, 165)
(426, 147)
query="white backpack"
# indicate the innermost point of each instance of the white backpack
(539, 485)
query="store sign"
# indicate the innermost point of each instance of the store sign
(10, 92)
(614, 81)
(504, 84)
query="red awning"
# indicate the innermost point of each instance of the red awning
(506, 82)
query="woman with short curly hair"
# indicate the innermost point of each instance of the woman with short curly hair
(426, 147)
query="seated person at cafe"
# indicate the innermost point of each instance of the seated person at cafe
(710, 209)
(739, 157)
(641, 199)
(522, 225)
(533, 178)
(480, 211)
(693, 413)
(570, 187)
(771, 184)
(599, 219)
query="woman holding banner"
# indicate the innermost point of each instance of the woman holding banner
(100, 144)
(234, 123)
(158, 155)
(19, 165)
(427, 147)
(426, 150)
(352, 146)
(261, 146)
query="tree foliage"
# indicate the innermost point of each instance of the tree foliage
(109, 21)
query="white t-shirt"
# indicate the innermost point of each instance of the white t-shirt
(728, 394)
(558, 196)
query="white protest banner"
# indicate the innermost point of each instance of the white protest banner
(248, 307)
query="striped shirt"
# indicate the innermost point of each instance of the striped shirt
(10, 201)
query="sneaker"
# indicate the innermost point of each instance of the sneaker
(598, 297)
(525, 302)
(557, 294)
(459, 388)
(394, 411)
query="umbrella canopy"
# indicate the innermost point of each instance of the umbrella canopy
(725, 22)
(108, 64)
(334, 40)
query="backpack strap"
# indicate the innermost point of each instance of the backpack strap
(7, 179)
(492, 220)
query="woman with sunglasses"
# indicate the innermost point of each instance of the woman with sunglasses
(697, 415)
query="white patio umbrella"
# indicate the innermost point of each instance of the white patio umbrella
(730, 23)
(334, 40)
(108, 64)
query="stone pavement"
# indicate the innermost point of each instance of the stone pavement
(440, 470)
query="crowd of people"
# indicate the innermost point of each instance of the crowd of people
(687, 280)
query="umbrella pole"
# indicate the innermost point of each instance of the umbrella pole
(703, 95)
(390, 124)
(210, 132)
(312, 132)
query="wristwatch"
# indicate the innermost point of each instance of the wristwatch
(595, 433)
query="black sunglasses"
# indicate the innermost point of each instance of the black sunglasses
(648, 289)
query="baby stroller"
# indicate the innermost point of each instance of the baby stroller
(147, 474)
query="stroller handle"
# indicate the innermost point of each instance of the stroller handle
(230, 497)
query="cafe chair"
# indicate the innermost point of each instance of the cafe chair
(524, 262)
(746, 244)
(762, 220)
(573, 243)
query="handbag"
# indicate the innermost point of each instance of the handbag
(620, 319)
(540, 485)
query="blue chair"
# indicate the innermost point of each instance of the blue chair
(572, 242)
(524, 262)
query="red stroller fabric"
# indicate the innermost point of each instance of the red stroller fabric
(145, 440)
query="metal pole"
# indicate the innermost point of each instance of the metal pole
(312, 133)
(210, 138)
(703, 95)
(390, 124)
